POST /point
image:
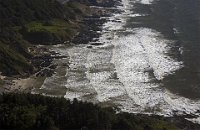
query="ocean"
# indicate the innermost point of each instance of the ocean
(148, 61)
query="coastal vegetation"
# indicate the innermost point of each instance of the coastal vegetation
(25, 23)
(30, 112)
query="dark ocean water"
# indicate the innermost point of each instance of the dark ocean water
(178, 20)
(146, 60)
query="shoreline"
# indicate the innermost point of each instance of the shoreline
(43, 57)
(23, 84)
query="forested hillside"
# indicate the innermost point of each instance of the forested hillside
(31, 112)
(19, 12)
(27, 22)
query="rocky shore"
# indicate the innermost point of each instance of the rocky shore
(42, 59)
(44, 66)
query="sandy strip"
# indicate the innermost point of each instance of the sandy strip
(22, 84)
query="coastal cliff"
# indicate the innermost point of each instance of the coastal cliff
(25, 24)
(28, 28)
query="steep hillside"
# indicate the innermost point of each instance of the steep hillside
(27, 22)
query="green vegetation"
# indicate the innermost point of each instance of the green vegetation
(13, 53)
(27, 22)
(52, 26)
(19, 12)
(25, 111)
(49, 32)
(13, 61)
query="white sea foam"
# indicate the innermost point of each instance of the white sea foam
(127, 69)
(132, 56)
(194, 120)
(144, 1)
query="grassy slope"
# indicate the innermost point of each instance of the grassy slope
(26, 22)
(12, 61)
